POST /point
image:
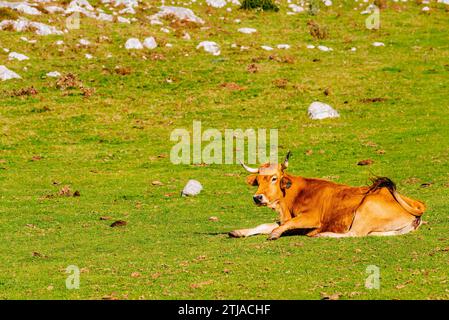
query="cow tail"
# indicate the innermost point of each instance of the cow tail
(384, 182)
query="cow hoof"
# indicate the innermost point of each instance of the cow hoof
(235, 234)
(274, 236)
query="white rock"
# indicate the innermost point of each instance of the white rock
(267, 48)
(324, 48)
(247, 30)
(283, 46)
(27, 40)
(88, 56)
(150, 43)
(133, 44)
(425, 9)
(84, 42)
(22, 24)
(295, 8)
(6, 74)
(327, 3)
(17, 56)
(123, 20)
(216, 3)
(310, 46)
(192, 188)
(54, 9)
(319, 110)
(156, 22)
(22, 7)
(179, 12)
(53, 74)
(210, 47)
(378, 44)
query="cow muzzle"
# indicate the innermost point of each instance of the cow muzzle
(260, 199)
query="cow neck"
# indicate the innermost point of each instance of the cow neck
(289, 203)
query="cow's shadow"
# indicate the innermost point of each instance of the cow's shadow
(296, 232)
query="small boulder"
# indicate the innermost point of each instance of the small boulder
(6, 74)
(192, 188)
(150, 43)
(319, 110)
(133, 43)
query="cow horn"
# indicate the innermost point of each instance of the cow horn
(285, 164)
(249, 169)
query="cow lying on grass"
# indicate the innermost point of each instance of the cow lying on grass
(327, 209)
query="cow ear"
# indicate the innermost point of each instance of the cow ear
(286, 183)
(252, 180)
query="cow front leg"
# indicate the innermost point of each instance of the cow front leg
(299, 222)
(265, 228)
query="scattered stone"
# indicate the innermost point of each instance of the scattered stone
(133, 44)
(23, 24)
(84, 42)
(295, 8)
(378, 44)
(17, 56)
(216, 3)
(6, 74)
(53, 74)
(319, 110)
(247, 30)
(192, 188)
(22, 7)
(324, 48)
(213, 219)
(210, 47)
(150, 43)
(179, 12)
(283, 46)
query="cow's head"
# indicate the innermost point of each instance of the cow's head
(271, 182)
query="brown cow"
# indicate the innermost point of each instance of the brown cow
(326, 209)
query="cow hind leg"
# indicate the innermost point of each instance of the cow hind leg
(265, 228)
(408, 228)
(334, 235)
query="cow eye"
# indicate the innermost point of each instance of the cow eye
(273, 180)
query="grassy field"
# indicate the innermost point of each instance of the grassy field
(111, 142)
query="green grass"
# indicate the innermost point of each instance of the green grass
(107, 146)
